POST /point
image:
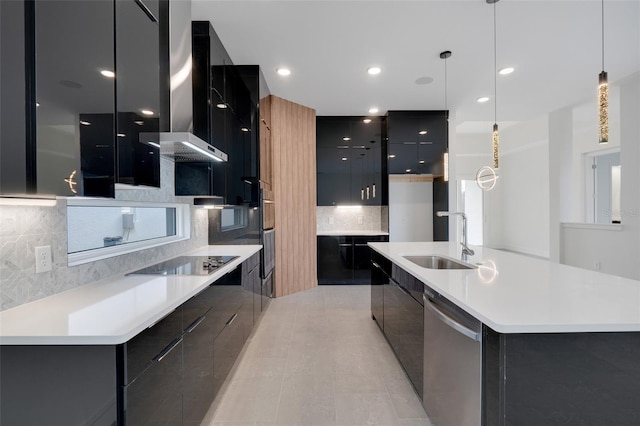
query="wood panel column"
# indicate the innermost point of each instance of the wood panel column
(293, 138)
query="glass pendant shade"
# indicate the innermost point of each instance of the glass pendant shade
(603, 108)
(446, 166)
(496, 146)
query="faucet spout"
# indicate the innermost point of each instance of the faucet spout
(466, 251)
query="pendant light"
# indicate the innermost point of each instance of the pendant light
(603, 97)
(496, 136)
(445, 159)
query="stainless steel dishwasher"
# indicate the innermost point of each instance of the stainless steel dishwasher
(452, 363)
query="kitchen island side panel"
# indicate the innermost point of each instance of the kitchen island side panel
(563, 379)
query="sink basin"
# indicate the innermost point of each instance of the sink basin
(437, 262)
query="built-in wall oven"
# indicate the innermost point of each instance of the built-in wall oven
(452, 363)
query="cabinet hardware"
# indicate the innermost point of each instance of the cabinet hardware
(362, 245)
(161, 319)
(168, 349)
(465, 331)
(345, 245)
(232, 319)
(195, 324)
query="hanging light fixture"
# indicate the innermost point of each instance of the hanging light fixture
(445, 159)
(603, 96)
(496, 135)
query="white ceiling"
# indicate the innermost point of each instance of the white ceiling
(555, 47)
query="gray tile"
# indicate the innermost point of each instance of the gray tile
(363, 409)
(251, 367)
(404, 399)
(250, 400)
(358, 383)
(307, 400)
(309, 360)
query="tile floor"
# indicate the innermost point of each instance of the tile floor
(317, 358)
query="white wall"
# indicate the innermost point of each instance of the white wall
(615, 249)
(517, 210)
(410, 211)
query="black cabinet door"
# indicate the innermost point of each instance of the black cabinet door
(348, 160)
(155, 397)
(267, 290)
(378, 280)
(335, 260)
(141, 89)
(72, 60)
(404, 328)
(226, 347)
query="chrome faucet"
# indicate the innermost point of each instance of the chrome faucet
(466, 251)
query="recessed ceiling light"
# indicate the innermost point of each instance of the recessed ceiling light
(346, 138)
(373, 110)
(139, 122)
(392, 156)
(221, 105)
(85, 123)
(283, 71)
(482, 99)
(374, 70)
(366, 121)
(37, 104)
(121, 135)
(408, 170)
(344, 158)
(422, 132)
(507, 70)
(244, 129)
(146, 111)
(108, 73)
(421, 161)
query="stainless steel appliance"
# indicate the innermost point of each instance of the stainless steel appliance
(452, 363)
(187, 265)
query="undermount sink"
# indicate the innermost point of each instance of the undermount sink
(437, 262)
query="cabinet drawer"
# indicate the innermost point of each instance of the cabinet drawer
(249, 264)
(143, 348)
(408, 282)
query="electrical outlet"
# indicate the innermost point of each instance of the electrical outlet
(360, 220)
(43, 259)
(596, 266)
(330, 220)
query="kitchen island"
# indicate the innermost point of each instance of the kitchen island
(556, 345)
(134, 349)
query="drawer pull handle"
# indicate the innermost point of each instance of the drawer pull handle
(168, 349)
(195, 324)
(232, 319)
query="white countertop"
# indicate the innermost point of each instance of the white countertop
(513, 293)
(350, 233)
(111, 311)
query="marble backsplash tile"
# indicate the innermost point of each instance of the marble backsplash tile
(365, 218)
(22, 228)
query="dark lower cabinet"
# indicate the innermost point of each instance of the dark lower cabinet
(345, 259)
(155, 397)
(169, 374)
(400, 317)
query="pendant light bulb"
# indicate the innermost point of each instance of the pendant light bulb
(603, 108)
(446, 166)
(445, 159)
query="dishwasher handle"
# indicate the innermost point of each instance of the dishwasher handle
(465, 331)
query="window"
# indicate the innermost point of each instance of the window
(98, 229)
(233, 218)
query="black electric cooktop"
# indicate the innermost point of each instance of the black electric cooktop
(187, 265)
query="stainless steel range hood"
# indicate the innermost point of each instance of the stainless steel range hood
(183, 147)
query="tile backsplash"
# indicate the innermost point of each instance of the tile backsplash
(22, 228)
(365, 218)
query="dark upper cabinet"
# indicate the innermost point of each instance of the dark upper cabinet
(225, 116)
(141, 88)
(63, 133)
(74, 100)
(417, 142)
(349, 161)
